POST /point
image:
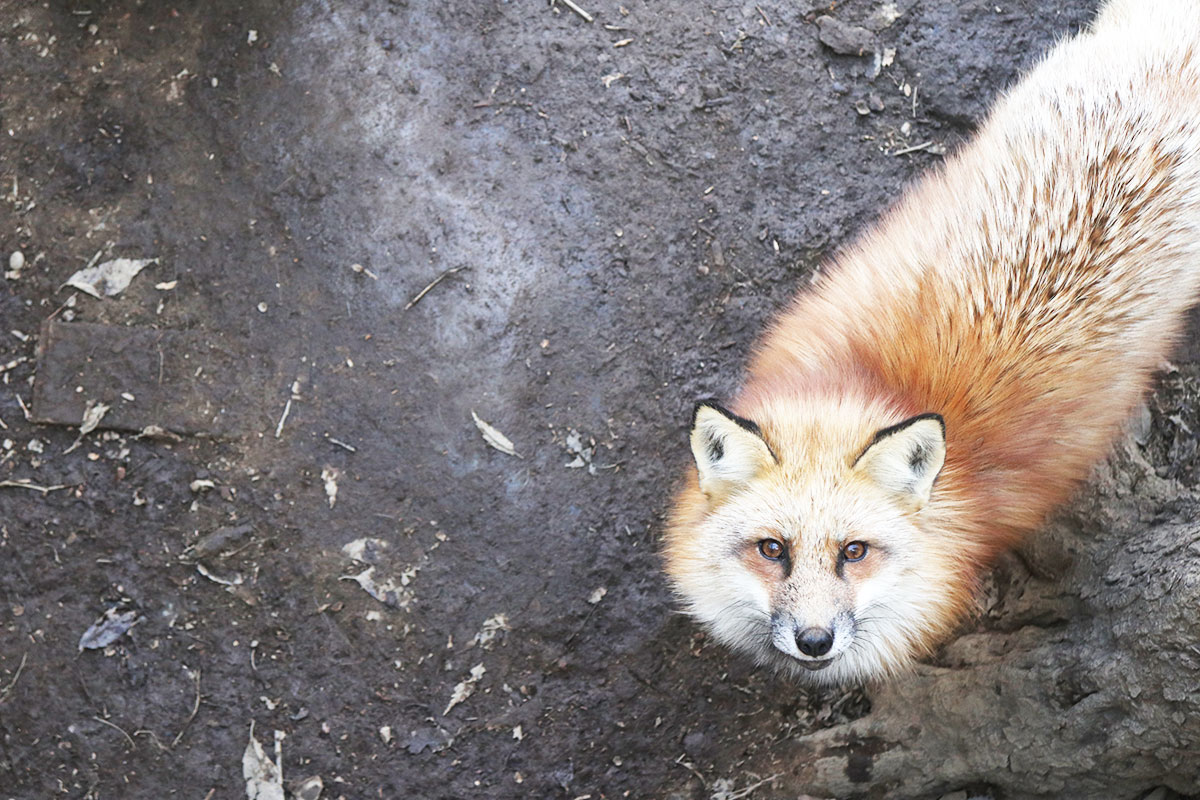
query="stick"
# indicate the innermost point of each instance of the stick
(343, 445)
(571, 5)
(691, 768)
(913, 149)
(8, 689)
(154, 738)
(191, 717)
(287, 409)
(128, 738)
(750, 789)
(16, 362)
(432, 284)
(22, 485)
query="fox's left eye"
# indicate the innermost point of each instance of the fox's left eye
(855, 551)
(772, 549)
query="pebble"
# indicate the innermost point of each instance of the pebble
(847, 40)
(16, 261)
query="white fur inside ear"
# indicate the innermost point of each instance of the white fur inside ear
(728, 453)
(905, 459)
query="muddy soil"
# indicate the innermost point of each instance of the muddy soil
(614, 208)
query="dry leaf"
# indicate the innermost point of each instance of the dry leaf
(264, 778)
(490, 630)
(107, 629)
(110, 278)
(465, 688)
(494, 437)
(366, 550)
(385, 591)
(92, 416)
(308, 789)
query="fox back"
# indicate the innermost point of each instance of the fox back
(956, 372)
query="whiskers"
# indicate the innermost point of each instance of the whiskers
(744, 625)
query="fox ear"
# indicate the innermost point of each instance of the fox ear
(729, 450)
(905, 459)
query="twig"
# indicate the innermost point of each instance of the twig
(749, 789)
(432, 284)
(154, 738)
(8, 689)
(287, 409)
(571, 5)
(343, 445)
(23, 485)
(192, 716)
(16, 362)
(128, 738)
(579, 630)
(24, 409)
(66, 304)
(692, 769)
(912, 149)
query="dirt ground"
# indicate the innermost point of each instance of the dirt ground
(616, 207)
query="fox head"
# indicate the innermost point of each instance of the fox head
(806, 541)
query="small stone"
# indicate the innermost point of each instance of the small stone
(16, 261)
(846, 40)
(884, 16)
(861, 107)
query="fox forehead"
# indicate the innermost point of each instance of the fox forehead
(808, 511)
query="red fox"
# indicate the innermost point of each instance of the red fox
(957, 371)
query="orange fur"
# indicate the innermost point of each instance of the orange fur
(1025, 292)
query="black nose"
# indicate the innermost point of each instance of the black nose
(814, 641)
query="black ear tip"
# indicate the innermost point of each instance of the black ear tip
(938, 418)
(708, 402)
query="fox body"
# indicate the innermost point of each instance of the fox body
(955, 373)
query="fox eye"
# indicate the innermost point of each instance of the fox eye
(772, 549)
(855, 551)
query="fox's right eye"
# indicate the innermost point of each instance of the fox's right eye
(772, 549)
